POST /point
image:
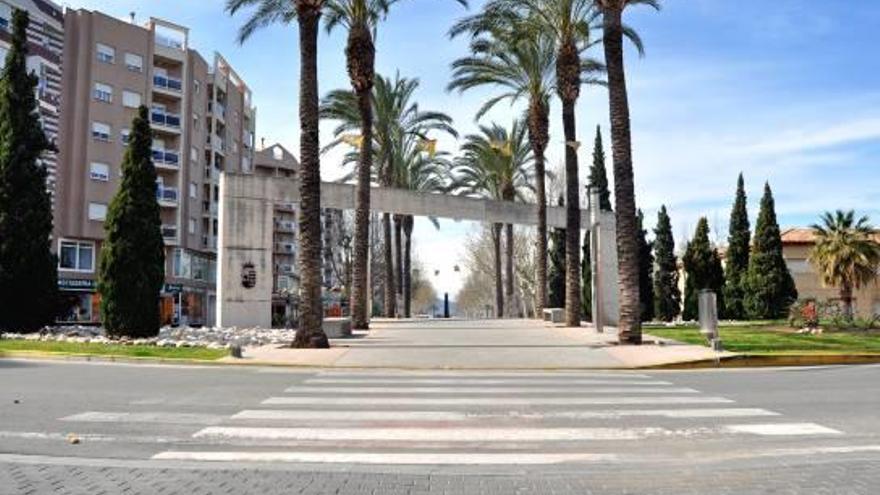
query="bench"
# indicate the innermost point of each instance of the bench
(554, 315)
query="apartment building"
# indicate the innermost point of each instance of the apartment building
(45, 47)
(203, 122)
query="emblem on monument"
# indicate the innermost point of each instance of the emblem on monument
(248, 276)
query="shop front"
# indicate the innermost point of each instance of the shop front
(81, 303)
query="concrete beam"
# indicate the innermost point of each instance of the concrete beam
(401, 201)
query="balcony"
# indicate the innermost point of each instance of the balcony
(216, 143)
(165, 120)
(209, 242)
(209, 208)
(168, 85)
(285, 226)
(163, 158)
(284, 248)
(167, 196)
(217, 110)
(169, 232)
(285, 269)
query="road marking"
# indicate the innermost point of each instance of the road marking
(490, 390)
(512, 434)
(487, 401)
(385, 416)
(784, 429)
(304, 415)
(146, 417)
(428, 434)
(477, 381)
(561, 376)
(390, 458)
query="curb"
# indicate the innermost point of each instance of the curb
(771, 361)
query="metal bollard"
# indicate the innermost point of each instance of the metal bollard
(708, 310)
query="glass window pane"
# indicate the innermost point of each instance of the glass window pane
(85, 257)
(68, 255)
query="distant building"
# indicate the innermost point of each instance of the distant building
(45, 47)
(796, 246)
(203, 119)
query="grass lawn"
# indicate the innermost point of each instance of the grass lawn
(778, 340)
(138, 351)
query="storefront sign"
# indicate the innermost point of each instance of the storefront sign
(172, 288)
(77, 284)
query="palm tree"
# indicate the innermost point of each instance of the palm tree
(496, 164)
(420, 171)
(397, 118)
(307, 14)
(568, 24)
(629, 324)
(845, 254)
(522, 66)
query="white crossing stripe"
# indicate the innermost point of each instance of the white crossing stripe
(478, 381)
(784, 429)
(514, 434)
(455, 416)
(391, 458)
(559, 376)
(146, 417)
(488, 401)
(490, 390)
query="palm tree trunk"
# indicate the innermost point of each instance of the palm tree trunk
(360, 55)
(388, 255)
(538, 137)
(846, 297)
(508, 270)
(407, 266)
(499, 289)
(398, 240)
(629, 324)
(568, 82)
(310, 333)
(572, 221)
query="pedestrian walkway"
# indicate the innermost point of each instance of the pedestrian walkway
(488, 419)
(483, 345)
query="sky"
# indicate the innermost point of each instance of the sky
(786, 92)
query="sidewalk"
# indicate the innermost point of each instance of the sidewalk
(482, 344)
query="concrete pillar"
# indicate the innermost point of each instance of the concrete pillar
(244, 245)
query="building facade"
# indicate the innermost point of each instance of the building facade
(796, 246)
(203, 123)
(45, 49)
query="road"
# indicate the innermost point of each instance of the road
(218, 430)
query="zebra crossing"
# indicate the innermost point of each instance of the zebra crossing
(468, 418)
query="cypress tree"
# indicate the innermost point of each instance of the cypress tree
(598, 174)
(667, 296)
(556, 275)
(738, 245)
(769, 288)
(702, 267)
(598, 180)
(646, 269)
(132, 266)
(28, 269)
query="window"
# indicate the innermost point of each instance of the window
(195, 122)
(131, 99)
(194, 155)
(134, 63)
(99, 171)
(97, 211)
(101, 131)
(197, 86)
(76, 256)
(106, 54)
(192, 225)
(193, 190)
(125, 135)
(103, 92)
(5, 16)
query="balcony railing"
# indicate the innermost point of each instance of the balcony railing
(168, 83)
(284, 248)
(169, 231)
(167, 194)
(284, 225)
(209, 241)
(165, 157)
(163, 118)
(217, 109)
